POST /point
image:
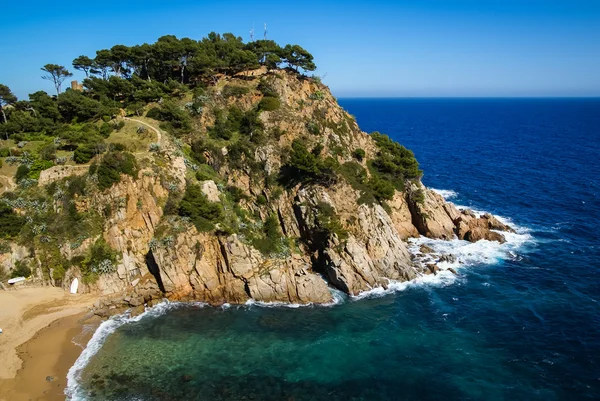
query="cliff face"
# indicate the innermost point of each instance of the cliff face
(328, 234)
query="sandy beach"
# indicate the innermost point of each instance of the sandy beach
(36, 346)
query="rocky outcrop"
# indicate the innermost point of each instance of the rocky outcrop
(359, 262)
(435, 218)
(472, 228)
(334, 237)
(220, 270)
(209, 188)
(59, 172)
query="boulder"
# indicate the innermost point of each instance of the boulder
(209, 188)
(425, 249)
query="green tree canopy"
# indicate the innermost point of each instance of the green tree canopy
(6, 98)
(83, 63)
(57, 74)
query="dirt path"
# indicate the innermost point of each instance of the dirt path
(158, 133)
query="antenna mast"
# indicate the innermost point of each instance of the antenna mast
(265, 31)
(252, 33)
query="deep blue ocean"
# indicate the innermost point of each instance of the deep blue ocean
(520, 322)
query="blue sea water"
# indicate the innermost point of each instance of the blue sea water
(521, 322)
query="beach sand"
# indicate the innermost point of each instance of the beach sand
(39, 325)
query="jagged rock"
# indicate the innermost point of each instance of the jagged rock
(447, 258)
(425, 249)
(472, 228)
(451, 270)
(138, 310)
(209, 188)
(431, 216)
(355, 264)
(433, 268)
(136, 301)
(401, 217)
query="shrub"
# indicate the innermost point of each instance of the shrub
(234, 91)
(22, 172)
(118, 146)
(153, 113)
(106, 129)
(394, 163)
(101, 259)
(10, 222)
(84, 153)
(203, 213)
(382, 189)
(269, 103)
(21, 269)
(4, 152)
(119, 126)
(313, 128)
(266, 88)
(270, 240)
(329, 223)
(359, 154)
(175, 119)
(114, 164)
(318, 95)
(305, 166)
(235, 193)
(37, 167)
(48, 152)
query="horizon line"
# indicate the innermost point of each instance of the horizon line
(470, 97)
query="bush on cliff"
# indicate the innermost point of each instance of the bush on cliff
(269, 103)
(203, 213)
(394, 163)
(270, 240)
(10, 222)
(306, 167)
(114, 164)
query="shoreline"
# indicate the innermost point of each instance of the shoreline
(36, 346)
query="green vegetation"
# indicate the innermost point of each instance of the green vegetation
(329, 223)
(394, 163)
(359, 154)
(191, 89)
(203, 213)
(112, 165)
(308, 167)
(234, 91)
(21, 270)
(270, 240)
(10, 222)
(100, 259)
(269, 103)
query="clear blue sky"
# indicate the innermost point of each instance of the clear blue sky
(365, 48)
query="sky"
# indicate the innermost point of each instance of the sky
(417, 48)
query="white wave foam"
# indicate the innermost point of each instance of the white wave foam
(466, 254)
(74, 390)
(338, 297)
(443, 279)
(445, 193)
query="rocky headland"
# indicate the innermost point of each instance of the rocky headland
(290, 203)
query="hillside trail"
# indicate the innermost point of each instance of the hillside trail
(158, 133)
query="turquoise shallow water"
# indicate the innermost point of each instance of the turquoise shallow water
(521, 322)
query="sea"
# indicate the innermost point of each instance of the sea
(520, 321)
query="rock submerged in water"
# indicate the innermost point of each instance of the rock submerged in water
(425, 249)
